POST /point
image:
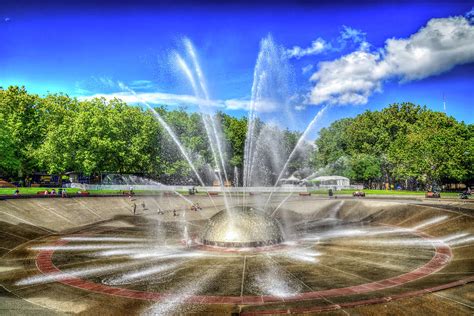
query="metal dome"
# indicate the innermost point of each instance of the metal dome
(242, 227)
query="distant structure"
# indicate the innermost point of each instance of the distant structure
(332, 181)
(291, 181)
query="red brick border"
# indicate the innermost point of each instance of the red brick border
(440, 259)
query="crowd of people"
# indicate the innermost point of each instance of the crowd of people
(53, 192)
(195, 207)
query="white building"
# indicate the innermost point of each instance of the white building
(331, 182)
(291, 181)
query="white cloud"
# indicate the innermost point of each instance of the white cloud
(317, 47)
(94, 84)
(436, 48)
(236, 104)
(141, 84)
(138, 92)
(306, 69)
(155, 98)
(347, 36)
(350, 35)
(106, 81)
(262, 106)
(470, 15)
(350, 79)
(158, 98)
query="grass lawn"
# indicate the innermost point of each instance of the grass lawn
(386, 192)
(33, 191)
(11, 191)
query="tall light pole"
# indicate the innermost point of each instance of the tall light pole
(444, 103)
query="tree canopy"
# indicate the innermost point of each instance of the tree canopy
(55, 134)
(403, 143)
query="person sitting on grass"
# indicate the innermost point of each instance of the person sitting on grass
(17, 192)
(53, 192)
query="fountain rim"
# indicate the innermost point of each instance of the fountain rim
(236, 244)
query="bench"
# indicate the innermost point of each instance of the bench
(49, 193)
(305, 194)
(432, 195)
(213, 193)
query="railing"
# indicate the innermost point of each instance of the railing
(87, 187)
(339, 187)
(117, 187)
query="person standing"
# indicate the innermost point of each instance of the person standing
(134, 208)
(130, 192)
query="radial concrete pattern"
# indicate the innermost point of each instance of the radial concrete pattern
(349, 256)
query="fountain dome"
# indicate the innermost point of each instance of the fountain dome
(242, 227)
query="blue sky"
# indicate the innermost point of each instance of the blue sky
(84, 50)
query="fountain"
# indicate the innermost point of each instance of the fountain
(251, 250)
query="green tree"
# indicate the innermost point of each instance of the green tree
(364, 168)
(235, 131)
(9, 163)
(21, 118)
(402, 143)
(407, 142)
(433, 150)
(332, 143)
